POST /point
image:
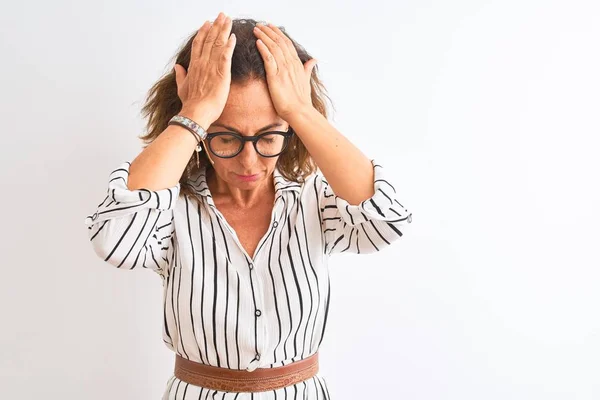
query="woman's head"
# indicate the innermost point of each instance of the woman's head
(242, 112)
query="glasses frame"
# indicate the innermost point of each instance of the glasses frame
(254, 139)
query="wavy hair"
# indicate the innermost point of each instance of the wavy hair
(162, 102)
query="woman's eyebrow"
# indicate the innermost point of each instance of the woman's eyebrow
(270, 126)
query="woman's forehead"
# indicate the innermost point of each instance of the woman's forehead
(251, 97)
(249, 109)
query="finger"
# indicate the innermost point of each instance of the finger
(288, 42)
(198, 41)
(270, 63)
(309, 66)
(232, 41)
(212, 35)
(228, 55)
(273, 42)
(180, 74)
(222, 38)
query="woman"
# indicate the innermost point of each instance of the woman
(240, 232)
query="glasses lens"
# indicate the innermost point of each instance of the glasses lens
(271, 144)
(225, 145)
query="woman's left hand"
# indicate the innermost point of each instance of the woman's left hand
(288, 80)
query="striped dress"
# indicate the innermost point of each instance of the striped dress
(224, 308)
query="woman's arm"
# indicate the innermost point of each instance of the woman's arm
(161, 164)
(203, 90)
(348, 171)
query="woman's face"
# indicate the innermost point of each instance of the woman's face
(249, 111)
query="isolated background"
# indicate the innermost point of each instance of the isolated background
(484, 112)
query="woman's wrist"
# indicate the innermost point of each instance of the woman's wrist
(198, 115)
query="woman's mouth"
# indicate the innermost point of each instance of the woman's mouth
(247, 178)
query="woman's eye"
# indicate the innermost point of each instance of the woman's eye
(227, 139)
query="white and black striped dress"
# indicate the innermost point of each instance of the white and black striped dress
(223, 308)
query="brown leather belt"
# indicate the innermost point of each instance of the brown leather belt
(236, 380)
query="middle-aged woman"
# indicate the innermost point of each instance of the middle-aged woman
(225, 203)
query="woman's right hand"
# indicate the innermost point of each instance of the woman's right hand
(203, 89)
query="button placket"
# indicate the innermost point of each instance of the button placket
(259, 319)
(258, 303)
(259, 295)
(260, 323)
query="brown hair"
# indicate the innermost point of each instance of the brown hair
(162, 102)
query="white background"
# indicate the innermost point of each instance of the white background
(484, 112)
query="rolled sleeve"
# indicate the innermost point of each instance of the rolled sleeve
(133, 228)
(366, 227)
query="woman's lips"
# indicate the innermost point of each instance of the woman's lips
(248, 177)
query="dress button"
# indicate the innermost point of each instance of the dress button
(258, 313)
(257, 358)
(251, 265)
(94, 216)
(275, 224)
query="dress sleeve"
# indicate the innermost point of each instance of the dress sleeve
(367, 227)
(133, 228)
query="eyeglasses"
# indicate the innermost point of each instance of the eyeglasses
(267, 144)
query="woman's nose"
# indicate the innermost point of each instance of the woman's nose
(248, 151)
